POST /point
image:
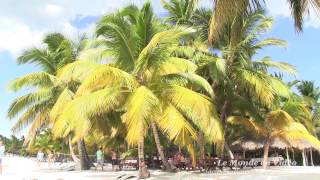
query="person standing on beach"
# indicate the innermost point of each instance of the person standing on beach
(2, 150)
(114, 160)
(50, 158)
(40, 156)
(100, 158)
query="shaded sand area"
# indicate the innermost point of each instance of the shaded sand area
(17, 168)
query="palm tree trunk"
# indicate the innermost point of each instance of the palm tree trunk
(311, 157)
(223, 116)
(226, 146)
(294, 159)
(201, 144)
(166, 165)
(143, 171)
(266, 153)
(288, 157)
(73, 156)
(304, 158)
(85, 162)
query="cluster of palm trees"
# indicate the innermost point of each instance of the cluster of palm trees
(172, 78)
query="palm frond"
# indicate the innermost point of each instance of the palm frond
(107, 76)
(202, 112)
(26, 101)
(79, 111)
(140, 107)
(37, 79)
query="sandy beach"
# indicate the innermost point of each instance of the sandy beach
(19, 168)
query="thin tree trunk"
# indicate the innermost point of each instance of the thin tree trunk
(304, 158)
(85, 162)
(294, 159)
(166, 165)
(213, 149)
(223, 116)
(226, 146)
(244, 154)
(311, 157)
(288, 157)
(201, 145)
(266, 154)
(73, 156)
(143, 171)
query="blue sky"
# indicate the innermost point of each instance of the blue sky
(23, 24)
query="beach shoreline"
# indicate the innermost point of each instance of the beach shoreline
(20, 168)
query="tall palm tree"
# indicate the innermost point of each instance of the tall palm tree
(311, 95)
(36, 106)
(180, 11)
(147, 84)
(225, 11)
(56, 52)
(236, 79)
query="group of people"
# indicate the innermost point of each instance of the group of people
(100, 159)
(40, 157)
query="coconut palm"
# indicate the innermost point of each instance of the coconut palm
(237, 80)
(276, 124)
(311, 96)
(225, 11)
(180, 11)
(36, 105)
(147, 84)
(56, 52)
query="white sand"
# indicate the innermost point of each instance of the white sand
(17, 168)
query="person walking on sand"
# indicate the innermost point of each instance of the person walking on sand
(50, 158)
(40, 156)
(2, 150)
(114, 160)
(100, 158)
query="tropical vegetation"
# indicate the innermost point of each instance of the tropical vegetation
(189, 80)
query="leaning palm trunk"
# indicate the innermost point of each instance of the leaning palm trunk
(266, 153)
(288, 157)
(166, 165)
(230, 153)
(304, 157)
(293, 157)
(143, 171)
(85, 162)
(224, 115)
(201, 144)
(73, 156)
(311, 157)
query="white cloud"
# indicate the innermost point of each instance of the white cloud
(15, 36)
(280, 8)
(23, 23)
(53, 10)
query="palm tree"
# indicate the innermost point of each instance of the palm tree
(225, 11)
(180, 11)
(311, 95)
(237, 80)
(36, 106)
(276, 124)
(147, 84)
(159, 101)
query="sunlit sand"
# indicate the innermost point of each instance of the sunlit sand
(18, 168)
